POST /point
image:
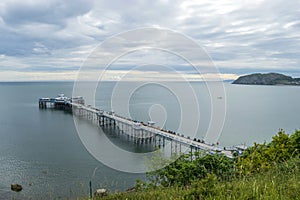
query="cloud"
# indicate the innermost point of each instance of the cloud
(241, 36)
(26, 23)
(42, 11)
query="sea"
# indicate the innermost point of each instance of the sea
(42, 150)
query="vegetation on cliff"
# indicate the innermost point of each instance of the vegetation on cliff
(267, 79)
(264, 171)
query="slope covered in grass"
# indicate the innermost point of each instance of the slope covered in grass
(264, 171)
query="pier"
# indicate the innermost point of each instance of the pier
(140, 132)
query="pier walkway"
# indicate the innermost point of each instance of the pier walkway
(142, 132)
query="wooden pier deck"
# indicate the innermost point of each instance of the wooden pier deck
(139, 130)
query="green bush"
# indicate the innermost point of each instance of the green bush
(264, 171)
(184, 170)
(261, 157)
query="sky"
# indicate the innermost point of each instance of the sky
(51, 39)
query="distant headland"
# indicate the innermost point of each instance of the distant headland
(267, 79)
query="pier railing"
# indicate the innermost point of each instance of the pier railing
(140, 131)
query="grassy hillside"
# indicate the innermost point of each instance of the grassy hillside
(281, 182)
(265, 171)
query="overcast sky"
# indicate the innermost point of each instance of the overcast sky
(50, 39)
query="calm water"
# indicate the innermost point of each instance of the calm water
(42, 147)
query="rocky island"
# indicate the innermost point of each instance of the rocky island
(267, 79)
